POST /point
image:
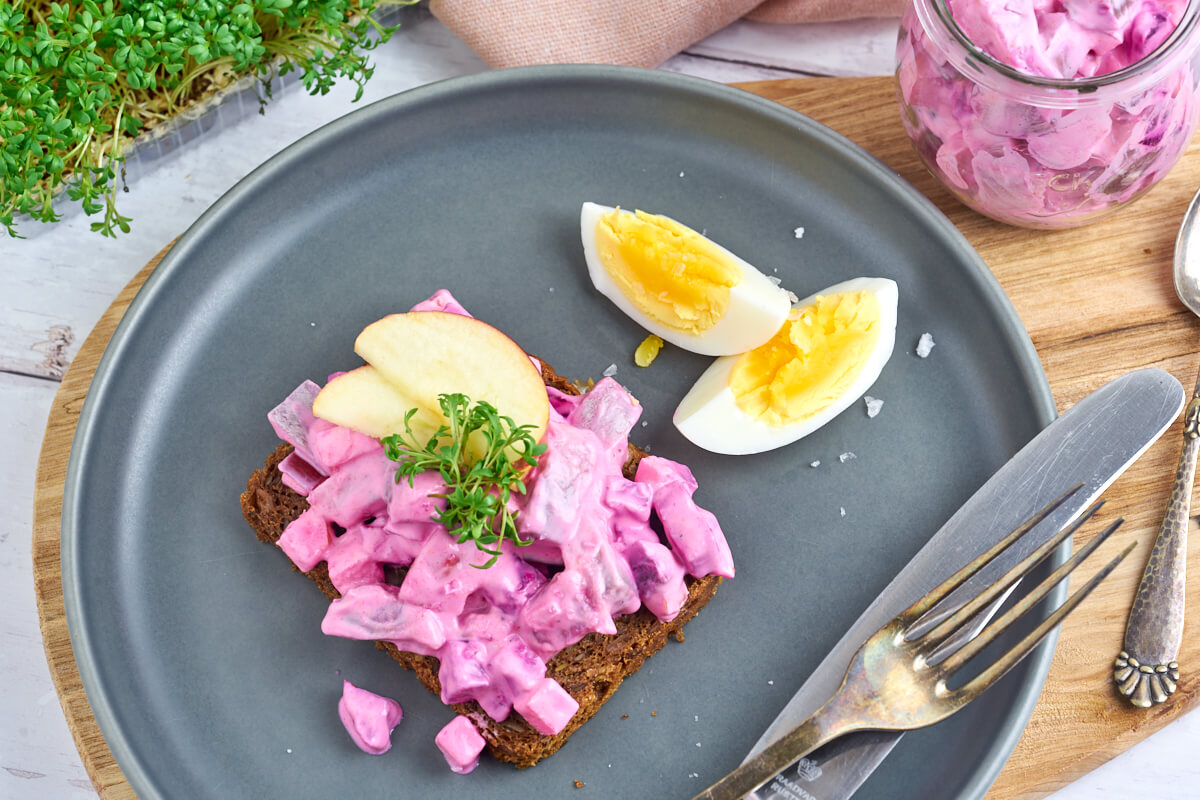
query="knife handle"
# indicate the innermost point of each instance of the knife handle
(815, 731)
(1146, 671)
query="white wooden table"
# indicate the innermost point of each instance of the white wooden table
(55, 285)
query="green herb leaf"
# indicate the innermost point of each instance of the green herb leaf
(478, 486)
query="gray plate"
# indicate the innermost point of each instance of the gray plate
(201, 650)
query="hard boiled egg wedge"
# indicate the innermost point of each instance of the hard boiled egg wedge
(829, 351)
(679, 285)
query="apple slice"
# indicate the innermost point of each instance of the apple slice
(428, 353)
(365, 401)
(412, 358)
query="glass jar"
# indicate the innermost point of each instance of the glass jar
(1043, 152)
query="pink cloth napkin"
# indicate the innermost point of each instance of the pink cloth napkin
(645, 33)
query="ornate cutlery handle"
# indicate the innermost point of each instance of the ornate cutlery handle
(1146, 670)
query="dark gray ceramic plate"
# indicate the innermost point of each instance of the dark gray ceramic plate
(201, 650)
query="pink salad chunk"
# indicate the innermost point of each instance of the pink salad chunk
(369, 718)
(461, 744)
(595, 553)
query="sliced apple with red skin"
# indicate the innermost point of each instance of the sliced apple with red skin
(424, 354)
(365, 401)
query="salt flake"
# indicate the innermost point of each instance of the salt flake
(610, 370)
(847, 456)
(924, 345)
(874, 405)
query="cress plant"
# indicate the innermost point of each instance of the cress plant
(80, 80)
(478, 488)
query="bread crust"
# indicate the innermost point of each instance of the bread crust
(589, 670)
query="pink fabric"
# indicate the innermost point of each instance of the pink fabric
(825, 10)
(645, 33)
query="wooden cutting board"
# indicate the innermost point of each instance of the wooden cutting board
(1097, 302)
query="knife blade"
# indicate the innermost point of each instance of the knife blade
(1093, 442)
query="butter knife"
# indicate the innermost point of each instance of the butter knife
(1093, 442)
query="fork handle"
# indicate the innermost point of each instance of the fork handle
(1146, 671)
(823, 726)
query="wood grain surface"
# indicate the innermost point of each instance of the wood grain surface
(1097, 301)
(106, 776)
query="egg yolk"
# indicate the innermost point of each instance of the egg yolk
(668, 271)
(810, 362)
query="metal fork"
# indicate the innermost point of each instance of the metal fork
(897, 680)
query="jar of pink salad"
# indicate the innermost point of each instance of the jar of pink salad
(1049, 113)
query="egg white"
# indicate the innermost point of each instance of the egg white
(757, 306)
(709, 415)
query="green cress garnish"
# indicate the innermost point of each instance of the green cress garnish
(79, 81)
(477, 487)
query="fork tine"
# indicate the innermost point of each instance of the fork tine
(954, 618)
(917, 610)
(1022, 648)
(972, 648)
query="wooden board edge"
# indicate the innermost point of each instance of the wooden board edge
(98, 761)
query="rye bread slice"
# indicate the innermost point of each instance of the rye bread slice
(589, 670)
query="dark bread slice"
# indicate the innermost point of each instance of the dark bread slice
(590, 670)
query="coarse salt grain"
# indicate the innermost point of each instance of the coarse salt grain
(815, 464)
(924, 345)
(874, 405)
(792, 297)
(842, 510)
(799, 233)
(610, 370)
(847, 456)
(775, 279)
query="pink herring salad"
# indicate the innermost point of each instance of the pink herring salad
(595, 555)
(461, 744)
(1094, 104)
(369, 718)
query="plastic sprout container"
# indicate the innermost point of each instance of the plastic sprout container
(1049, 113)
